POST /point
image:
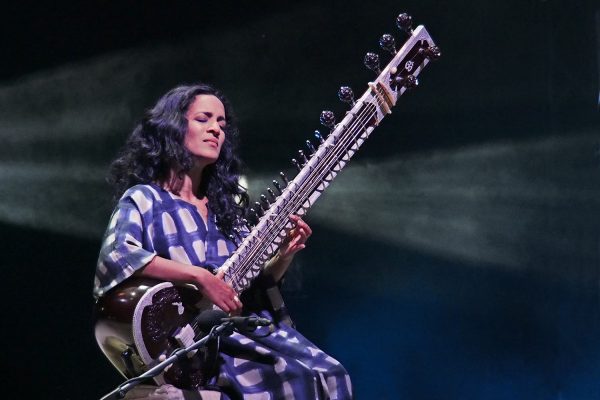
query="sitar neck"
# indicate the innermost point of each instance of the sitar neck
(317, 170)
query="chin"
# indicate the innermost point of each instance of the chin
(203, 159)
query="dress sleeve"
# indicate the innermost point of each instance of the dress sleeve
(127, 245)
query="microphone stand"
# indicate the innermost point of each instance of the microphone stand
(119, 393)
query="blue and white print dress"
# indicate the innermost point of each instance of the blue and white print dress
(150, 221)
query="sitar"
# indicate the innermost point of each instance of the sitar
(142, 321)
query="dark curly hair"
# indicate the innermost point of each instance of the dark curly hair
(156, 147)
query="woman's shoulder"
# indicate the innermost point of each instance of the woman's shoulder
(143, 195)
(146, 189)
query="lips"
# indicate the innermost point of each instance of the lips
(213, 141)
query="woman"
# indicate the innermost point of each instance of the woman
(179, 218)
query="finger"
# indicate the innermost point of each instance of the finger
(237, 300)
(294, 241)
(220, 274)
(303, 225)
(223, 306)
(301, 238)
(303, 233)
(225, 296)
(294, 218)
(225, 301)
(300, 224)
(287, 237)
(232, 305)
(238, 304)
(292, 251)
(299, 247)
(229, 292)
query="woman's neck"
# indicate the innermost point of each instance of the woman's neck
(190, 184)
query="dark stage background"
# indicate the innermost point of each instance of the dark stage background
(457, 257)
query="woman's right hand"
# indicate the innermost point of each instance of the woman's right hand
(218, 292)
(211, 286)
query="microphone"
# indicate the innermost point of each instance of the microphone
(211, 317)
(206, 321)
(247, 324)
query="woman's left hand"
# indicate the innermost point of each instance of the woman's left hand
(296, 238)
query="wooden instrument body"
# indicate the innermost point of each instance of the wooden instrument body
(142, 319)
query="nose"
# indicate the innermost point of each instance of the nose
(215, 128)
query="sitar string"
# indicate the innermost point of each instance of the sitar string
(343, 145)
(347, 138)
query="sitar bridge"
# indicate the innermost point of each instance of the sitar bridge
(385, 98)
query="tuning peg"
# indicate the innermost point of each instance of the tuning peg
(260, 209)
(277, 186)
(432, 52)
(310, 147)
(319, 137)
(404, 22)
(284, 178)
(254, 213)
(302, 157)
(272, 194)
(388, 43)
(346, 95)
(265, 202)
(371, 61)
(247, 223)
(409, 82)
(327, 118)
(296, 164)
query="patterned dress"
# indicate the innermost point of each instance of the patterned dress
(282, 364)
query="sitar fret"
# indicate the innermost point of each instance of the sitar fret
(341, 144)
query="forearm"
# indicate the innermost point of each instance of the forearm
(173, 271)
(211, 286)
(277, 266)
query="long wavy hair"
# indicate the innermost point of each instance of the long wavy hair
(156, 147)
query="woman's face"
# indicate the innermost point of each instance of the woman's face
(206, 123)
